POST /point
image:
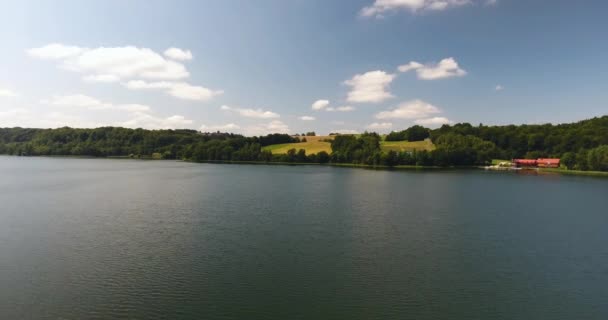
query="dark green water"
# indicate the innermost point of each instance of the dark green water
(90, 238)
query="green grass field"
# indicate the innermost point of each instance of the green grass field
(312, 145)
(316, 145)
(401, 146)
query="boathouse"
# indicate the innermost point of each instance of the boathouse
(547, 163)
(538, 163)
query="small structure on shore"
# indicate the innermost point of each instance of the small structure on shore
(519, 164)
(538, 163)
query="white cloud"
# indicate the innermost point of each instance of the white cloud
(15, 117)
(148, 121)
(320, 104)
(340, 109)
(345, 131)
(275, 126)
(137, 117)
(129, 64)
(186, 91)
(414, 109)
(25, 118)
(121, 62)
(178, 54)
(432, 122)
(140, 85)
(307, 118)
(107, 78)
(179, 90)
(83, 101)
(491, 2)
(379, 126)
(446, 68)
(223, 128)
(7, 93)
(498, 88)
(412, 65)
(55, 51)
(380, 7)
(252, 113)
(371, 86)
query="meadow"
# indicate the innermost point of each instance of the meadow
(316, 144)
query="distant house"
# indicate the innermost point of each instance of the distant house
(538, 163)
(524, 163)
(547, 163)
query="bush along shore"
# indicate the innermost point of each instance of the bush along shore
(582, 146)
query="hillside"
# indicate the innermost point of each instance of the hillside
(313, 144)
(316, 144)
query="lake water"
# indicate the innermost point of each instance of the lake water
(100, 238)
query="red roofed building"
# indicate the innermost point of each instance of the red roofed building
(538, 163)
(524, 162)
(547, 163)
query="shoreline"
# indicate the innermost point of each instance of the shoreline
(601, 174)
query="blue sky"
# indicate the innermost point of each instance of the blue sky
(255, 67)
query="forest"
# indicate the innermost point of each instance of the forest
(582, 145)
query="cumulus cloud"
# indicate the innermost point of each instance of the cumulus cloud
(229, 127)
(84, 101)
(148, 121)
(181, 90)
(26, 118)
(345, 131)
(15, 117)
(379, 7)
(414, 109)
(107, 78)
(186, 91)
(307, 118)
(379, 126)
(275, 126)
(433, 122)
(178, 54)
(120, 62)
(131, 65)
(498, 88)
(320, 104)
(371, 87)
(7, 93)
(446, 68)
(340, 109)
(251, 113)
(136, 116)
(55, 51)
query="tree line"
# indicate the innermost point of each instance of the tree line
(582, 145)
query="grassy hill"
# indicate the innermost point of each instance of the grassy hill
(312, 145)
(407, 145)
(317, 144)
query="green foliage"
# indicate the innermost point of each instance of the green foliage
(414, 133)
(461, 150)
(597, 159)
(582, 145)
(364, 149)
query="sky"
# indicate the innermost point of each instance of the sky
(293, 66)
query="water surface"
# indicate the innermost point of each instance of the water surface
(99, 238)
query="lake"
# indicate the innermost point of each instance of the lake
(103, 238)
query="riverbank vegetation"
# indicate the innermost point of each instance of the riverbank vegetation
(581, 146)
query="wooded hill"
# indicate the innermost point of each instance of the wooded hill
(582, 145)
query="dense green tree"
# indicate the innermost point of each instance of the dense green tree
(582, 145)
